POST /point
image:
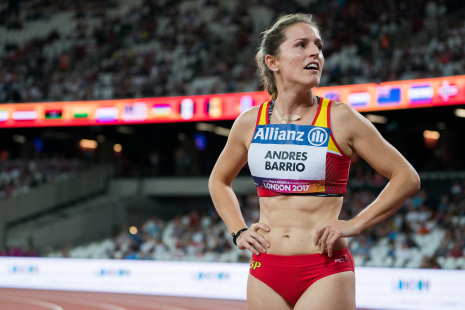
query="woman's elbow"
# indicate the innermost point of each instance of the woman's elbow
(211, 183)
(214, 181)
(415, 181)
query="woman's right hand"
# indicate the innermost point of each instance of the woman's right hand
(252, 240)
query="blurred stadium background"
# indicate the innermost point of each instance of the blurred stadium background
(136, 190)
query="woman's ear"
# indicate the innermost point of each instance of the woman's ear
(271, 63)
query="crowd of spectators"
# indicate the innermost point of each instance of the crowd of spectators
(164, 48)
(202, 235)
(31, 71)
(421, 215)
(194, 235)
(14, 13)
(20, 176)
(18, 251)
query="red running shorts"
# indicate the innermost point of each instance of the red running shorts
(291, 276)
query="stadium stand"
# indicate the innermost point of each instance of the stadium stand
(427, 232)
(208, 46)
(20, 176)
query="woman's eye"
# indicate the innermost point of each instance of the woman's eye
(300, 44)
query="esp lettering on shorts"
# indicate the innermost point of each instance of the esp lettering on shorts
(254, 264)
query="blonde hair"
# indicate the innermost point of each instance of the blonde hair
(271, 41)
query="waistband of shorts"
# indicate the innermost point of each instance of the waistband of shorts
(297, 259)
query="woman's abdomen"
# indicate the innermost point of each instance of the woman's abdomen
(294, 241)
(293, 222)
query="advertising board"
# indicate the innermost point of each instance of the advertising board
(376, 288)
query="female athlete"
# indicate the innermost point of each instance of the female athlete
(298, 147)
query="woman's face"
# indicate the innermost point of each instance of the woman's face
(301, 58)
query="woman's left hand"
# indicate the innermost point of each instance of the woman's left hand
(331, 231)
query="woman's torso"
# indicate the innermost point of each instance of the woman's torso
(294, 219)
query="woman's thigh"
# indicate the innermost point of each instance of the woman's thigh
(262, 297)
(334, 292)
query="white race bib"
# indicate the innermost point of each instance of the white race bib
(289, 158)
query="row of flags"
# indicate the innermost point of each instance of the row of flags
(395, 94)
(133, 112)
(392, 95)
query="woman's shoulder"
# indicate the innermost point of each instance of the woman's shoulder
(343, 113)
(248, 117)
(244, 125)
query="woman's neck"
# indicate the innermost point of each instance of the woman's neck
(294, 103)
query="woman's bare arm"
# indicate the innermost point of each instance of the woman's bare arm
(384, 158)
(362, 137)
(230, 162)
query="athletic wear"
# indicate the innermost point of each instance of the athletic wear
(291, 276)
(297, 159)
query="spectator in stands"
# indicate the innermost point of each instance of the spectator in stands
(413, 215)
(444, 205)
(442, 250)
(147, 245)
(31, 252)
(363, 248)
(404, 253)
(153, 227)
(160, 248)
(456, 189)
(392, 249)
(434, 263)
(456, 251)
(425, 262)
(243, 258)
(132, 253)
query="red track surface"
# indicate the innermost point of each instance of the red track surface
(14, 299)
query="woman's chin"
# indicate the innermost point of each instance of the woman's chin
(314, 83)
(306, 83)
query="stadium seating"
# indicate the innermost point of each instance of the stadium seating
(415, 233)
(192, 42)
(20, 176)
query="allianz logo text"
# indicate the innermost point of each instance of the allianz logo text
(276, 134)
(317, 136)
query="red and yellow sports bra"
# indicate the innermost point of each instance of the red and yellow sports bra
(297, 159)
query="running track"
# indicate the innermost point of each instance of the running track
(14, 299)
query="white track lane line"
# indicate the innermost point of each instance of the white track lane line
(138, 303)
(196, 303)
(82, 301)
(30, 301)
(146, 304)
(207, 304)
(90, 303)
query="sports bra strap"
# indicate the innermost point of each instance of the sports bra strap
(261, 117)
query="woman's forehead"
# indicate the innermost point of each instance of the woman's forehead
(302, 30)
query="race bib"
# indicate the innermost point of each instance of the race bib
(289, 158)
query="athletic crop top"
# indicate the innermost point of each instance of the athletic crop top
(297, 159)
